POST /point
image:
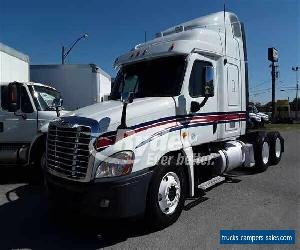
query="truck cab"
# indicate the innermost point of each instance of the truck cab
(175, 124)
(26, 109)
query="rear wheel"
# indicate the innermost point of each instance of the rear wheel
(262, 153)
(276, 147)
(261, 146)
(166, 196)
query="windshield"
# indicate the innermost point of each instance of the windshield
(252, 109)
(153, 78)
(43, 97)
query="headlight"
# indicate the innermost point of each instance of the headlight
(116, 165)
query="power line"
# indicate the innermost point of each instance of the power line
(256, 94)
(259, 90)
(259, 84)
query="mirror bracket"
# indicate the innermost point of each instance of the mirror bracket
(195, 106)
(125, 99)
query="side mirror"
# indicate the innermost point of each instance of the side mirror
(127, 97)
(13, 97)
(209, 82)
(57, 103)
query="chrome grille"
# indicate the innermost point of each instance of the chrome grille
(68, 150)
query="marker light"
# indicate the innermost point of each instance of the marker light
(103, 142)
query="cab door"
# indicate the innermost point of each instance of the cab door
(200, 119)
(19, 126)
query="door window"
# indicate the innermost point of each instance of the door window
(197, 79)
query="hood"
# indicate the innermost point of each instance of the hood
(255, 116)
(262, 114)
(108, 114)
(46, 116)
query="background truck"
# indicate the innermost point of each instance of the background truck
(80, 84)
(175, 124)
(26, 109)
(14, 65)
(256, 119)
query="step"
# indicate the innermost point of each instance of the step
(211, 182)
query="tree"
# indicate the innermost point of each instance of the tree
(294, 104)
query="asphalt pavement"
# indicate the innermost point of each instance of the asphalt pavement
(269, 200)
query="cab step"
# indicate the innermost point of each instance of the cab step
(212, 182)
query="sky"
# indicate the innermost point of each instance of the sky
(40, 28)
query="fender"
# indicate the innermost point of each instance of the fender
(187, 152)
(38, 139)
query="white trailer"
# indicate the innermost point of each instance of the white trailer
(80, 84)
(14, 65)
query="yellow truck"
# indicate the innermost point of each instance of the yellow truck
(283, 111)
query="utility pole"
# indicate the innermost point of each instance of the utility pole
(63, 55)
(273, 57)
(296, 69)
(273, 73)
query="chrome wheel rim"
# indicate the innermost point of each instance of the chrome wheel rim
(265, 152)
(169, 193)
(277, 148)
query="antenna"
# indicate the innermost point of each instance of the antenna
(145, 36)
(225, 35)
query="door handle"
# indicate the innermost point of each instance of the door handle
(23, 115)
(215, 125)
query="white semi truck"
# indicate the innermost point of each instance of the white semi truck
(176, 123)
(25, 111)
(80, 84)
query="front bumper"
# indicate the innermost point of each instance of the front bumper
(126, 195)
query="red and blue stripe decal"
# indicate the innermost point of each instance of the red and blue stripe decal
(201, 119)
(182, 121)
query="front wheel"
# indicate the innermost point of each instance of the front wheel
(166, 196)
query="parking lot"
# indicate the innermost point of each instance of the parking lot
(268, 200)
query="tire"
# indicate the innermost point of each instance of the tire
(39, 154)
(276, 147)
(261, 152)
(159, 212)
(38, 162)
